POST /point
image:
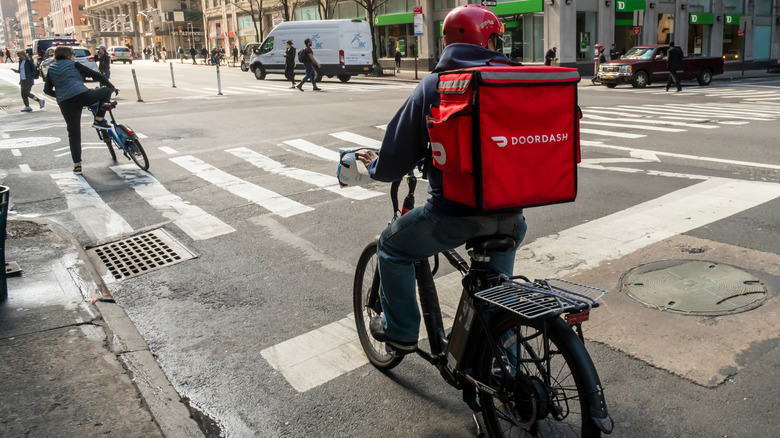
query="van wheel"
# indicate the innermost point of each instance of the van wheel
(705, 77)
(344, 78)
(244, 67)
(640, 80)
(259, 73)
(611, 85)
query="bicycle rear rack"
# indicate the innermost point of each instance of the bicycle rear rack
(542, 297)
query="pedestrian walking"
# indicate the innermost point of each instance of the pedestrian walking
(8, 55)
(613, 53)
(289, 63)
(673, 58)
(2, 55)
(164, 55)
(398, 61)
(180, 54)
(205, 54)
(65, 82)
(213, 56)
(27, 72)
(550, 56)
(103, 61)
(193, 52)
(308, 63)
(235, 55)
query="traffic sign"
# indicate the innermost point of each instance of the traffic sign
(740, 33)
(637, 30)
(418, 21)
(489, 3)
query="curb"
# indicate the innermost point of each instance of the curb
(126, 343)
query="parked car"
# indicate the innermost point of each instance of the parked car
(731, 55)
(83, 56)
(342, 47)
(120, 53)
(41, 45)
(246, 55)
(644, 65)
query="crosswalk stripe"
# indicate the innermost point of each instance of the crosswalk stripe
(224, 91)
(357, 139)
(247, 90)
(646, 120)
(316, 357)
(611, 134)
(191, 219)
(667, 111)
(313, 149)
(265, 198)
(722, 110)
(326, 182)
(99, 221)
(631, 126)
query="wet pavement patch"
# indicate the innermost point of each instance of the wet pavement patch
(694, 287)
(138, 255)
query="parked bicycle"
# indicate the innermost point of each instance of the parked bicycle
(513, 349)
(121, 137)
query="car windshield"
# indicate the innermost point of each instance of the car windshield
(121, 49)
(81, 53)
(638, 53)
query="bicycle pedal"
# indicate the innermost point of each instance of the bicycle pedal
(389, 349)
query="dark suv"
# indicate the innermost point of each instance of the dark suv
(246, 55)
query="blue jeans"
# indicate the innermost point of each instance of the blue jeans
(420, 234)
(310, 74)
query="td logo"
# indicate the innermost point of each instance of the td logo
(694, 18)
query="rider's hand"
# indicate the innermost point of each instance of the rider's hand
(366, 156)
(116, 91)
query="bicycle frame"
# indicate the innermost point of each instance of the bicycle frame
(120, 133)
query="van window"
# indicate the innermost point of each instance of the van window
(268, 45)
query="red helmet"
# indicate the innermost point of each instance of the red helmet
(470, 24)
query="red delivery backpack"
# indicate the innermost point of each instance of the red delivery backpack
(507, 136)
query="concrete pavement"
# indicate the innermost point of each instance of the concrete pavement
(71, 361)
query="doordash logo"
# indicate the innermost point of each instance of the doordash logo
(530, 139)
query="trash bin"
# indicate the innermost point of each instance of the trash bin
(4, 194)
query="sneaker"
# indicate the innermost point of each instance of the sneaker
(27, 109)
(317, 89)
(103, 124)
(42, 103)
(399, 348)
(77, 169)
(299, 87)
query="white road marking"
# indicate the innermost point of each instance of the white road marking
(265, 198)
(25, 168)
(247, 90)
(139, 135)
(99, 221)
(198, 224)
(83, 148)
(646, 120)
(688, 157)
(316, 357)
(611, 134)
(649, 109)
(326, 182)
(167, 150)
(630, 125)
(313, 149)
(358, 139)
(16, 152)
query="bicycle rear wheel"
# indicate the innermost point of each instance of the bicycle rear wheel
(560, 410)
(366, 306)
(109, 145)
(137, 154)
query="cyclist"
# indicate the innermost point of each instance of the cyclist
(471, 38)
(65, 81)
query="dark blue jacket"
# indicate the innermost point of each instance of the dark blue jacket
(65, 79)
(29, 71)
(406, 140)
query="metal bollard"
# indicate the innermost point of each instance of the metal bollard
(219, 81)
(173, 81)
(137, 91)
(4, 200)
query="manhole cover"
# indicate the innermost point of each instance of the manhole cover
(29, 142)
(694, 287)
(138, 255)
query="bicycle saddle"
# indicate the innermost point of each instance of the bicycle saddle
(498, 242)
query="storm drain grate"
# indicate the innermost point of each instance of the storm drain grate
(139, 254)
(695, 287)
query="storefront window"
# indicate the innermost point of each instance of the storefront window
(698, 40)
(761, 42)
(395, 7)
(311, 13)
(396, 37)
(732, 43)
(624, 31)
(586, 35)
(444, 4)
(733, 6)
(349, 10)
(700, 5)
(665, 28)
(764, 7)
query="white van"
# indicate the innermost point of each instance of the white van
(342, 47)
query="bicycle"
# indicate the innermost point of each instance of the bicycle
(512, 349)
(122, 137)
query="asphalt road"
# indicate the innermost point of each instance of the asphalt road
(254, 331)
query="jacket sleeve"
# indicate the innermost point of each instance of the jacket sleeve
(406, 139)
(86, 71)
(48, 87)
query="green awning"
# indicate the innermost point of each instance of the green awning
(731, 20)
(518, 7)
(386, 20)
(702, 18)
(630, 5)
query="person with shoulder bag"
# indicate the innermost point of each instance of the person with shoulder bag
(308, 63)
(27, 75)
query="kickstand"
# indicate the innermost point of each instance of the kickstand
(478, 421)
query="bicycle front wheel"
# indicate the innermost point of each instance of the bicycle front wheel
(109, 142)
(137, 154)
(367, 306)
(547, 401)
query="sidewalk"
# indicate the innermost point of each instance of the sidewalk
(71, 362)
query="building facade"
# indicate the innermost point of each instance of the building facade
(31, 15)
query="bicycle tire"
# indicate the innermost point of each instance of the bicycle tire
(531, 411)
(110, 147)
(367, 270)
(137, 154)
